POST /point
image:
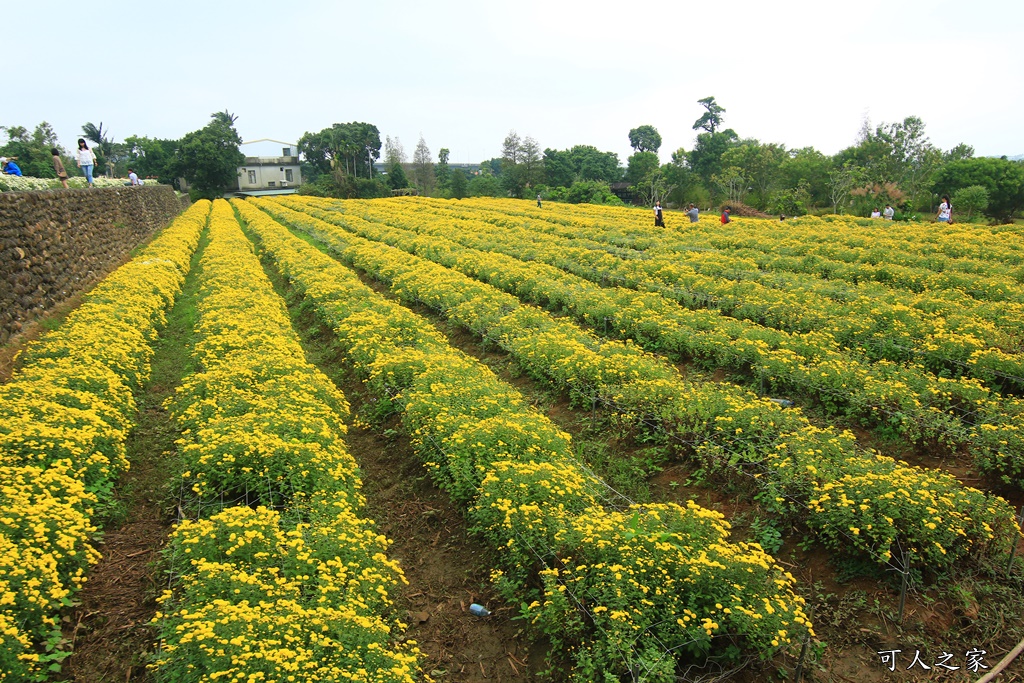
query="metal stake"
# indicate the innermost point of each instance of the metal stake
(1013, 548)
(803, 650)
(906, 580)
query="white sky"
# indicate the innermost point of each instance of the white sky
(463, 73)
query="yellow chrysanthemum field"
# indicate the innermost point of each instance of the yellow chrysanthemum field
(856, 389)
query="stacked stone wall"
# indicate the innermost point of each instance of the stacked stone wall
(55, 244)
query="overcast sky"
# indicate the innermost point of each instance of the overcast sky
(463, 73)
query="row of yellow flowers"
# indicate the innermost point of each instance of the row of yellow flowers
(902, 398)
(941, 327)
(941, 519)
(958, 247)
(623, 590)
(287, 581)
(64, 417)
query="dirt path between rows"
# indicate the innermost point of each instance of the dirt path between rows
(446, 567)
(109, 629)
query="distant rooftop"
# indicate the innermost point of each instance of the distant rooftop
(263, 193)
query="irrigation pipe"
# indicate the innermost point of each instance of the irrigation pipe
(1003, 663)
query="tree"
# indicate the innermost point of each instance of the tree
(423, 168)
(459, 183)
(759, 165)
(807, 168)
(914, 157)
(897, 154)
(442, 171)
(151, 157)
(593, 164)
(841, 180)
(521, 164)
(225, 117)
(532, 162)
(711, 119)
(348, 148)
(33, 150)
(653, 187)
(394, 153)
(510, 149)
(558, 168)
(645, 139)
(1003, 179)
(959, 153)
(484, 185)
(209, 159)
(679, 176)
(581, 163)
(396, 177)
(640, 166)
(731, 182)
(706, 157)
(971, 199)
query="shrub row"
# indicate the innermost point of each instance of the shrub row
(903, 399)
(64, 417)
(615, 590)
(938, 325)
(818, 473)
(286, 581)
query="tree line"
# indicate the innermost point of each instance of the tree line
(891, 163)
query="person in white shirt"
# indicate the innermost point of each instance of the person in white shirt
(889, 212)
(86, 160)
(659, 215)
(945, 210)
(875, 213)
(133, 178)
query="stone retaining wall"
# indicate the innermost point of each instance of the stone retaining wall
(57, 243)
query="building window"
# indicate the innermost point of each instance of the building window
(286, 152)
(252, 177)
(288, 174)
(271, 184)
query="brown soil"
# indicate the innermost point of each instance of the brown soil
(856, 618)
(109, 630)
(447, 569)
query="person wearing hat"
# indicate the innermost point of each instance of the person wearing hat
(10, 168)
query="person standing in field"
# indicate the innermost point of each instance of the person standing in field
(86, 160)
(945, 210)
(889, 212)
(58, 166)
(659, 216)
(875, 213)
(725, 216)
(538, 200)
(692, 212)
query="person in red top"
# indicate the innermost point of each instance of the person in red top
(725, 216)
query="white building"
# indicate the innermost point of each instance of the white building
(269, 165)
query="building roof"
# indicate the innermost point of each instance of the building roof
(280, 142)
(264, 193)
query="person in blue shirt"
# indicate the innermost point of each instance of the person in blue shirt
(10, 168)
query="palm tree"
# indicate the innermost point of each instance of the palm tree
(225, 117)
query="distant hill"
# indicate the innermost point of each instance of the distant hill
(1019, 157)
